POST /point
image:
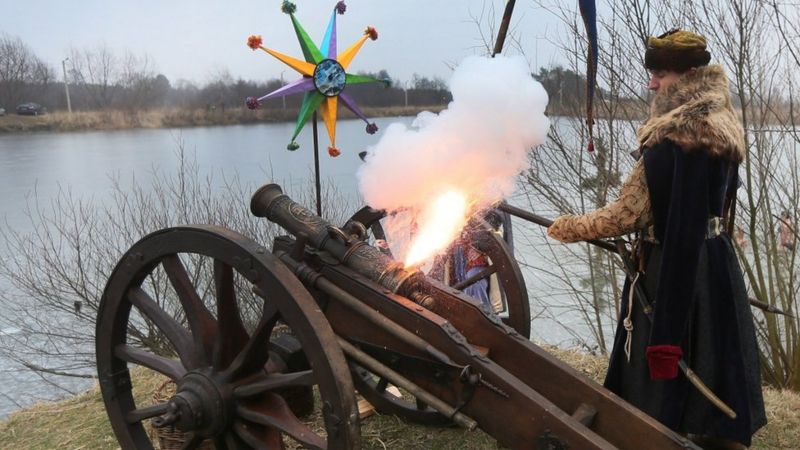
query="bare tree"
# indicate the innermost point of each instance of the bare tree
(218, 89)
(762, 56)
(22, 73)
(138, 80)
(96, 72)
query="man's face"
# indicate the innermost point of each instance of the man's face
(660, 79)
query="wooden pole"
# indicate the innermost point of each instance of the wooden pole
(316, 165)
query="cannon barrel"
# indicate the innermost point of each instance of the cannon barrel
(270, 202)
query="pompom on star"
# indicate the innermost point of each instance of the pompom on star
(288, 7)
(254, 41)
(324, 76)
(252, 103)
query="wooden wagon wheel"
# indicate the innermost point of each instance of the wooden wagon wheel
(229, 370)
(515, 312)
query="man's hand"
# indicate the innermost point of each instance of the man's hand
(563, 230)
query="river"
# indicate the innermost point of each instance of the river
(36, 167)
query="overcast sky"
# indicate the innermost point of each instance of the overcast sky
(195, 40)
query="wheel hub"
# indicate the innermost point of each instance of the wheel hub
(200, 405)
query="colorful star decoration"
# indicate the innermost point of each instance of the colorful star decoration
(324, 76)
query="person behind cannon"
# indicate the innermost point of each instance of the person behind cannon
(464, 260)
(689, 151)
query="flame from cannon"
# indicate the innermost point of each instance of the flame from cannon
(439, 224)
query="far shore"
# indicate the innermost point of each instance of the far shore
(106, 120)
(61, 121)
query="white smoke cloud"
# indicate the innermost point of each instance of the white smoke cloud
(478, 145)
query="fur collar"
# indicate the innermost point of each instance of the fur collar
(696, 113)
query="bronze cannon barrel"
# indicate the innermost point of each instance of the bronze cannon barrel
(269, 201)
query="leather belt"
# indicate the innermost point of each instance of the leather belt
(713, 229)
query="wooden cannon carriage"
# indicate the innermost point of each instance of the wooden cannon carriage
(267, 337)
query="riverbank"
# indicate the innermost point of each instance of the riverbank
(176, 118)
(81, 422)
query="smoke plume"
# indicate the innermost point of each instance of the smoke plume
(478, 145)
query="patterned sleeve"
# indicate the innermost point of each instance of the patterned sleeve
(630, 212)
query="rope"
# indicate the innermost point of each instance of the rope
(627, 323)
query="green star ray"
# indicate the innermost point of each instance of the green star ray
(310, 50)
(311, 102)
(359, 79)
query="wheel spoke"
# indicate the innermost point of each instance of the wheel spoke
(260, 439)
(232, 336)
(255, 352)
(273, 412)
(177, 335)
(484, 273)
(169, 367)
(201, 322)
(275, 381)
(140, 414)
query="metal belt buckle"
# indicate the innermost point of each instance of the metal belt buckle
(714, 227)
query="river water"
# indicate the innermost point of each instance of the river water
(36, 167)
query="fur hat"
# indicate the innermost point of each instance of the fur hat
(676, 50)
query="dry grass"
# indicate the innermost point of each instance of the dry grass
(80, 422)
(783, 407)
(783, 429)
(74, 423)
(173, 118)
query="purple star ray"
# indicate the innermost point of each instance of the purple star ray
(352, 106)
(304, 84)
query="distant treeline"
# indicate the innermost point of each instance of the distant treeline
(98, 79)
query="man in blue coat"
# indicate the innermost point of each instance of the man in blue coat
(674, 198)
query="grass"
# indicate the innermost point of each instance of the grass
(80, 422)
(60, 121)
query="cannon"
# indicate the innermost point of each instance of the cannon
(328, 314)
